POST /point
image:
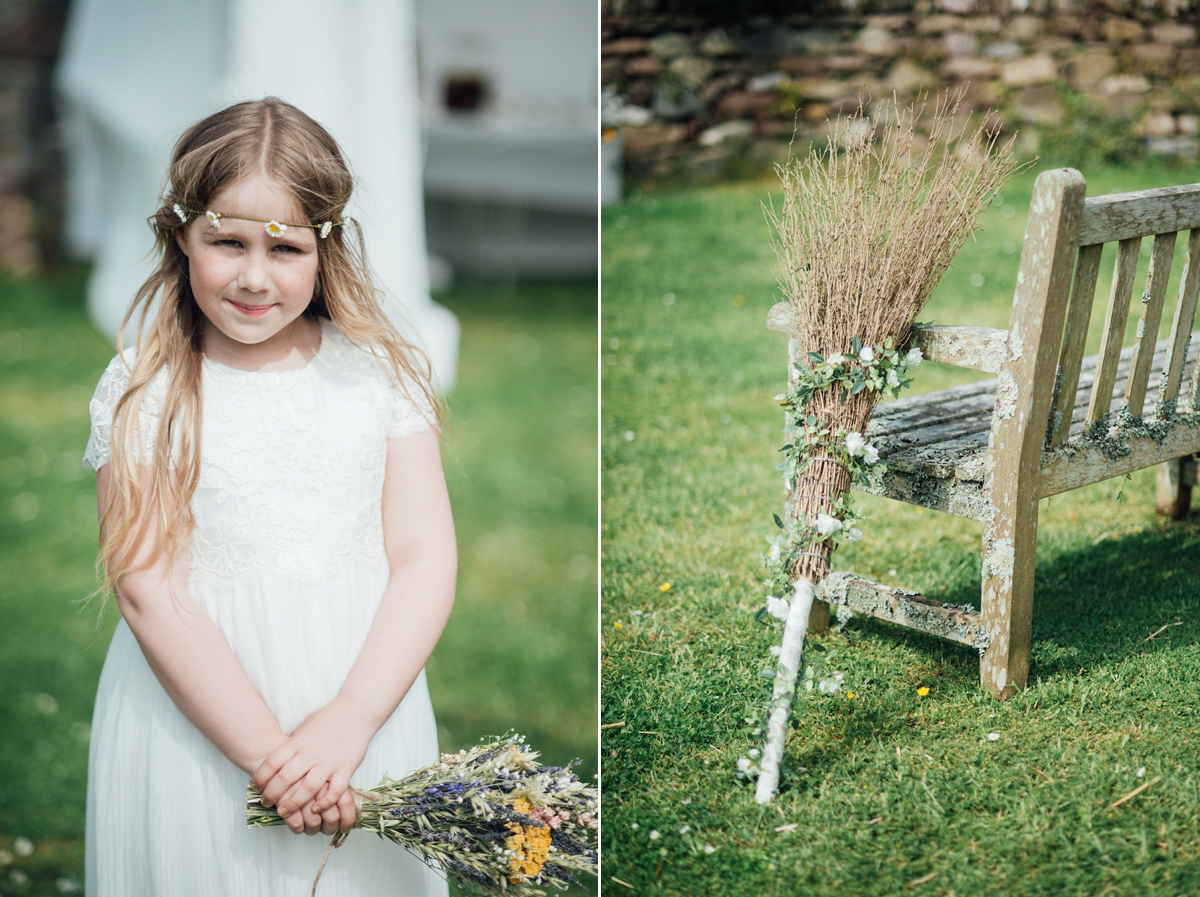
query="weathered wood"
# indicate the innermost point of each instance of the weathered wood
(782, 318)
(905, 608)
(1079, 315)
(1114, 326)
(1019, 426)
(1185, 317)
(1173, 487)
(978, 348)
(1083, 462)
(989, 450)
(1120, 216)
(1148, 321)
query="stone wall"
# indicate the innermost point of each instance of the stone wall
(697, 98)
(30, 162)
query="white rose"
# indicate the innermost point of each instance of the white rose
(892, 380)
(870, 454)
(834, 359)
(827, 525)
(866, 354)
(855, 443)
(853, 534)
(777, 607)
(914, 357)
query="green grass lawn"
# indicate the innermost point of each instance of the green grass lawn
(892, 791)
(520, 458)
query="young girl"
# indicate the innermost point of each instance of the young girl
(275, 529)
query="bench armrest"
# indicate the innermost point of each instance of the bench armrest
(978, 348)
(781, 318)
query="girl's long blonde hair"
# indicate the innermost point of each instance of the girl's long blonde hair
(276, 139)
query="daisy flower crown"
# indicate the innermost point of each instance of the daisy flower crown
(273, 227)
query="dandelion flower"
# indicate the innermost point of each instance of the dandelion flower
(665, 587)
(618, 625)
(923, 690)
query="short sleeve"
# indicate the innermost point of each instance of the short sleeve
(411, 411)
(113, 384)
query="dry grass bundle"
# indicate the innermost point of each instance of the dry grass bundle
(867, 228)
(865, 234)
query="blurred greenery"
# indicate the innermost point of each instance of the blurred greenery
(520, 458)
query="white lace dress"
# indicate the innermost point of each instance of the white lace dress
(287, 558)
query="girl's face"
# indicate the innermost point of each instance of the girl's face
(252, 287)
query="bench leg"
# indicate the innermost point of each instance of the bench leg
(818, 617)
(1173, 487)
(1007, 604)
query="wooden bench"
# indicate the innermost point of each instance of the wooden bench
(1051, 420)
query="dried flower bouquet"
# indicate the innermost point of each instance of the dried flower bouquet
(493, 818)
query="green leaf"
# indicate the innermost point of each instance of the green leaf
(767, 674)
(778, 522)
(816, 357)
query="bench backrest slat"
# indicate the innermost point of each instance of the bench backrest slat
(1079, 316)
(1114, 327)
(1184, 320)
(1148, 320)
(1121, 216)
(1125, 219)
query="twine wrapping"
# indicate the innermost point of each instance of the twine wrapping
(339, 837)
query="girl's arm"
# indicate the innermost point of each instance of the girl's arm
(419, 541)
(190, 656)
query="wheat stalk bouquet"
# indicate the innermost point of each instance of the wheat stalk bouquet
(866, 229)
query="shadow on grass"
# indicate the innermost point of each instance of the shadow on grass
(1093, 605)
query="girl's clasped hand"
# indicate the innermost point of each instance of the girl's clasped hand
(307, 777)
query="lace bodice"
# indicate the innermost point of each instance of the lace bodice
(292, 462)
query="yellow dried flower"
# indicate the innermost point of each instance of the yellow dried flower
(529, 844)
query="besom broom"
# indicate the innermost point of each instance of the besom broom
(866, 229)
